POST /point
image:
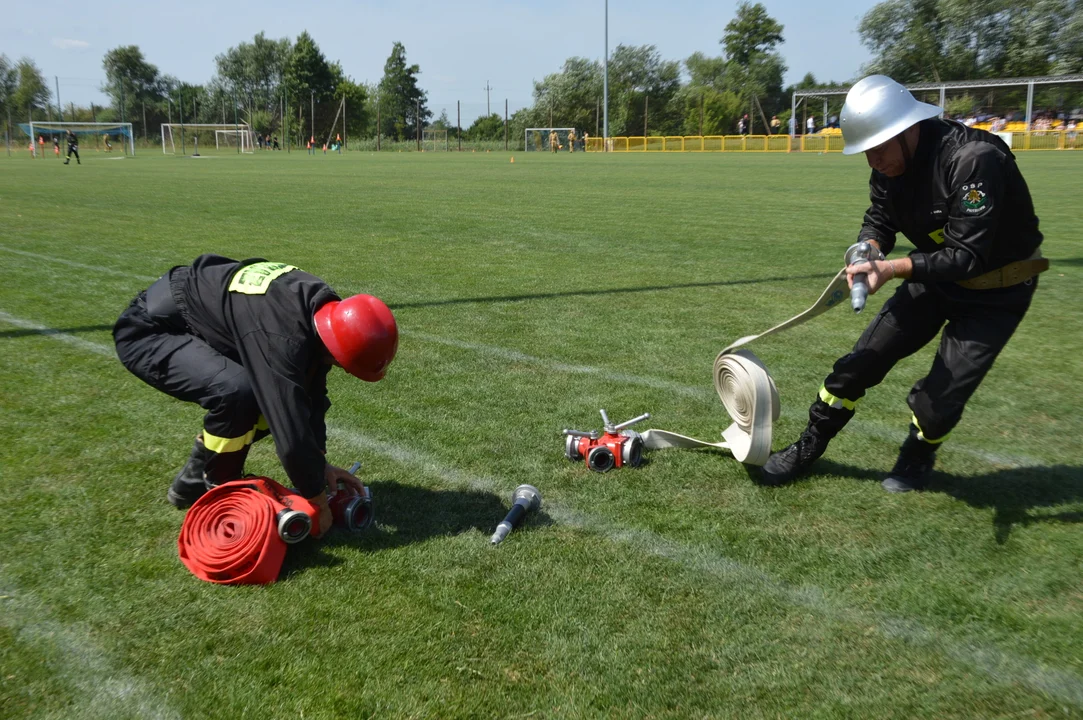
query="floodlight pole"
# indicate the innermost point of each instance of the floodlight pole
(605, 82)
(1030, 103)
(505, 126)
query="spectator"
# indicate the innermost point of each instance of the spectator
(775, 125)
(793, 126)
(810, 125)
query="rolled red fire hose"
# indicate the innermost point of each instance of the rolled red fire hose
(237, 533)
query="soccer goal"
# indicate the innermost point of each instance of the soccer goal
(538, 139)
(121, 131)
(233, 139)
(433, 140)
(200, 137)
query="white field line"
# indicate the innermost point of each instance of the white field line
(863, 426)
(72, 263)
(102, 691)
(1004, 668)
(97, 348)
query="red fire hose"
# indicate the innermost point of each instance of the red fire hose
(237, 533)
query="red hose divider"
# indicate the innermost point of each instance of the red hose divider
(230, 535)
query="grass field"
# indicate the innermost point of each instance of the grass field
(529, 295)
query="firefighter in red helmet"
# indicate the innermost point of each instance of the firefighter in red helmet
(252, 343)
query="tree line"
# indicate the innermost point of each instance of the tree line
(274, 84)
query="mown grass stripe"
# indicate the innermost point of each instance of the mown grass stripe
(1001, 667)
(103, 691)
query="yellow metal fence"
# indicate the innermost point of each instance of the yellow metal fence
(832, 143)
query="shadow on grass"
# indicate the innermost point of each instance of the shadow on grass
(609, 291)
(29, 332)
(408, 514)
(1066, 261)
(1016, 495)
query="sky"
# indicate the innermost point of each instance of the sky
(460, 47)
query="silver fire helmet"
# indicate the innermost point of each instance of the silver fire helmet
(877, 109)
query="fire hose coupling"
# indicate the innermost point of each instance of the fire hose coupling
(616, 447)
(352, 511)
(293, 525)
(861, 251)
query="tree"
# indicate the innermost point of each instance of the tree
(32, 92)
(402, 103)
(940, 40)
(752, 32)
(129, 77)
(570, 97)
(486, 127)
(639, 79)
(9, 82)
(356, 97)
(255, 71)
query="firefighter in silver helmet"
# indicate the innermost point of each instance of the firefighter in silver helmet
(957, 195)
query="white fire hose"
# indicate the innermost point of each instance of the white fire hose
(748, 392)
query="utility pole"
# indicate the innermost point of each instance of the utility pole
(417, 120)
(488, 112)
(59, 107)
(379, 127)
(646, 103)
(312, 116)
(459, 122)
(505, 124)
(605, 81)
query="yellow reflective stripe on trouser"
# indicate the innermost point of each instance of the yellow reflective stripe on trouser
(836, 402)
(921, 435)
(224, 445)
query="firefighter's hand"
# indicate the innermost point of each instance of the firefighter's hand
(334, 475)
(326, 518)
(877, 273)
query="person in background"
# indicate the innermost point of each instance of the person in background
(554, 141)
(73, 148)
(810, 125)
(571, 140)
(776, 125)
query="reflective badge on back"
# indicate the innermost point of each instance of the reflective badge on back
(255, 279)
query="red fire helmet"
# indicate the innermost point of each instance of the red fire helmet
(360, 333)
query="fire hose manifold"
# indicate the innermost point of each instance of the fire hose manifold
(743, 384)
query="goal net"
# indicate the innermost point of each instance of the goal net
(433, 140)
(539, 139)
(206, 138)
(115, 137)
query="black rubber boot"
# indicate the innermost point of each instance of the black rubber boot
(914, 466)
(188, 485)
(793, 462)
(824, 423)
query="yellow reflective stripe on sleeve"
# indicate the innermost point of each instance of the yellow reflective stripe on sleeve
(224, 445)
(256, 278)
(937, 236)
(921, 435)
(836, 402)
